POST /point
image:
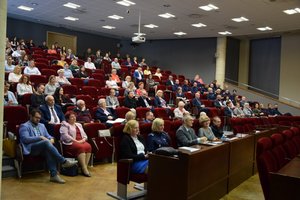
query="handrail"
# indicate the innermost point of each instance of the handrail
(270, 95)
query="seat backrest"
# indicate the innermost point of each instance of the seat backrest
(278, 150)
(289, 145)
(266, 163)
(161, 113)
(121, 111)
(91, 129)
(14, 115)
(141, 112)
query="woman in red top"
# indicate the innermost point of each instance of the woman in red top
(75, 143)
(52, 50)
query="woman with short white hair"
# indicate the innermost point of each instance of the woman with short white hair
(158, 138)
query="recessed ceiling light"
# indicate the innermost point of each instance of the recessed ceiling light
(108, 27)
(292, 11)
(125, 3)
(240, 19)
(139, 34)
(225, 33)
(180, 33)
(267, 28)
(199, 25)
(166, 15)
(34, 4)
(117, 17)
(72, 5)
(150, 26)
(26, 8)
(209, 7)
(71, 18)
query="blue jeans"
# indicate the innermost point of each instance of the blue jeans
(45, 148)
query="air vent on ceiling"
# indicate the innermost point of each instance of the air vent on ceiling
(195, 16)
(79, 11)
(230, 27)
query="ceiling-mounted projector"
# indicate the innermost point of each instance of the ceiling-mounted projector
(138, 39)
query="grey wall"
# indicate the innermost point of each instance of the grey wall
(181, 56)
(38, 32)
(232, 60)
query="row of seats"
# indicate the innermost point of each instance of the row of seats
(274, 152)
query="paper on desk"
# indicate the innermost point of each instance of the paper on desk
(118, 120)
(190, 149)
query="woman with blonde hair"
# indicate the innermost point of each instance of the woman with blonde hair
(24, 86)
(133, 147)
(158, 138)
(51, 86)
(205, 130)
(15, 75)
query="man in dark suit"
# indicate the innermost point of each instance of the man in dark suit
(218, 102)
(51, 114)
(196, 102)
(170, 82)
(138, 75)
(228, 112)
(144, 100)
(130, 100)
(185, 134)
(176, 85)
(104, 114)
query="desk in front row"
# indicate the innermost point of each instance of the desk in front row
(285, 184)
(198, 175)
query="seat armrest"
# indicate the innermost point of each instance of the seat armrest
(94, 144)
(123, 170)
(19, 153)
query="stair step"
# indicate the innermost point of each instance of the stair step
(7, 161)
(8, 171)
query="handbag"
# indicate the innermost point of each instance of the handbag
(70, 171)
(9, 147)
(166, 151)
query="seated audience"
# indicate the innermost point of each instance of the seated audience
(135, 61)
(151, 84)
(115, 64)
(52, 50)
(25, 61)
(89, 64)
(9, 66)
(140, 89)
(44, 46)
(70, 55)
(111, 83)
(61, 79)
(51, 85)
(130, 88)
(176, 85)
(67, 72)
(186, 87)
(32, 69)
(138, 75)
(180, 95)
(74, 66)
(81, 73)
(24, 86)
(9, 97)
(147, 71)
(130, 115)
(216, 127)
(35, 140)
(15, 75)
(62, 61)
(247, 110)
(62, 99)
(114, 76)
(111, 100)
(38, 97)
(158, 137)
(185, 134)
(238, 110)
(257, 111)
(196, 103)
(243, 101)
(211, 95)
(205, 130)
(228, 112)
(107, 58)
(130, 100)
(179, 112)
(125, 83)
(133, 147)
(194, 88)
(144, 100)
(82, 113)
(218, 102)
(170, 81)
(98, 59)
(128, 62)
(158, 73)
(149, 117)
(75, 143)
(198, 79)
(143, 64)
(103, 114)
(51, 114)
(276, 111)
(159, 101)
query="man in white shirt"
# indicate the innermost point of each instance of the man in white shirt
(115, 64)
(89, 64)
(32, 69)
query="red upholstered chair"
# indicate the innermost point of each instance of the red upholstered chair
(71, 90)
(189, 95)
(145, 129)
(89, 101)
(104, 91)
(15, 115)
(278, 151)
(39, 59)
(124, 176)
(161, 87)
(89, 90)
(96, 83)
(289, 145)
(121, 100)
(141, 112)
(266, 163)
(98, 76)
(48, 72)
(212, 112)
(207, 103)
(77, 81)
(26, 163)
(121, 111)
(161, 113)
(37, 79)
(26, 100)
(296, 138)
(103, 147)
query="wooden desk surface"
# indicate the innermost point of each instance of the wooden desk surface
(291, 169)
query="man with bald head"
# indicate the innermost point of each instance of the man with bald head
(51, 114)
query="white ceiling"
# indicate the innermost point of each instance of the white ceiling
(93, 15)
